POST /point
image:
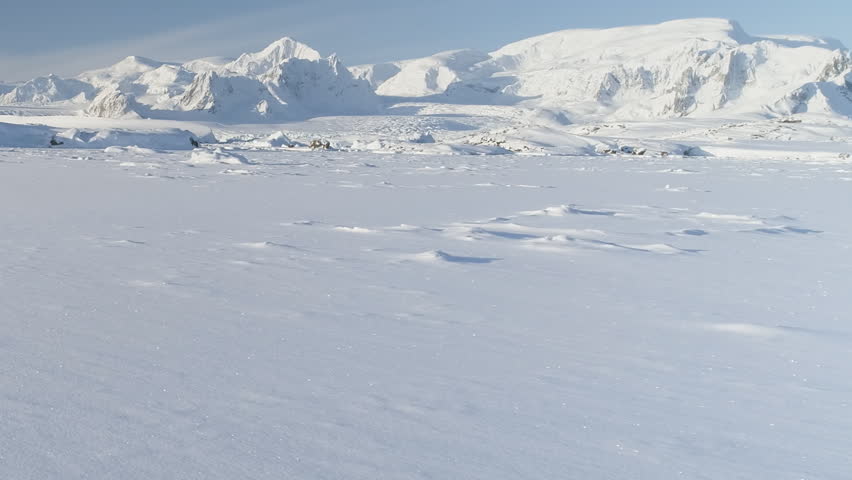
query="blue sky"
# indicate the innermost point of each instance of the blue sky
(65, 37)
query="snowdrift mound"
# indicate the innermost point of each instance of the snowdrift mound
(26, 136)
(212, 157)
(278, 140)
(40, 136)
(161, 139)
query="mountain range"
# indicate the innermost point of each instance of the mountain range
(683, 68)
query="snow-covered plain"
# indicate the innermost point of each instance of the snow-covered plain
(351, 315)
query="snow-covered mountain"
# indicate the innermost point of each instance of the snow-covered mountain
(122, 74)
(678, 68)
(227, 96)
(49, 89)
(277, 53)
(285, 80)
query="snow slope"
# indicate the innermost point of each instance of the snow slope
(421, 77)
(359, 316)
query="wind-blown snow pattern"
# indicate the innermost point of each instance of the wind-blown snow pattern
(223, 314)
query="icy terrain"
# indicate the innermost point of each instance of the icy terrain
(346, 315)
(592, 254)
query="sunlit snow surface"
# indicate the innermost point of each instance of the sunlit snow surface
(342, 315)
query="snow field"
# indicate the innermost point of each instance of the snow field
(351, 315)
